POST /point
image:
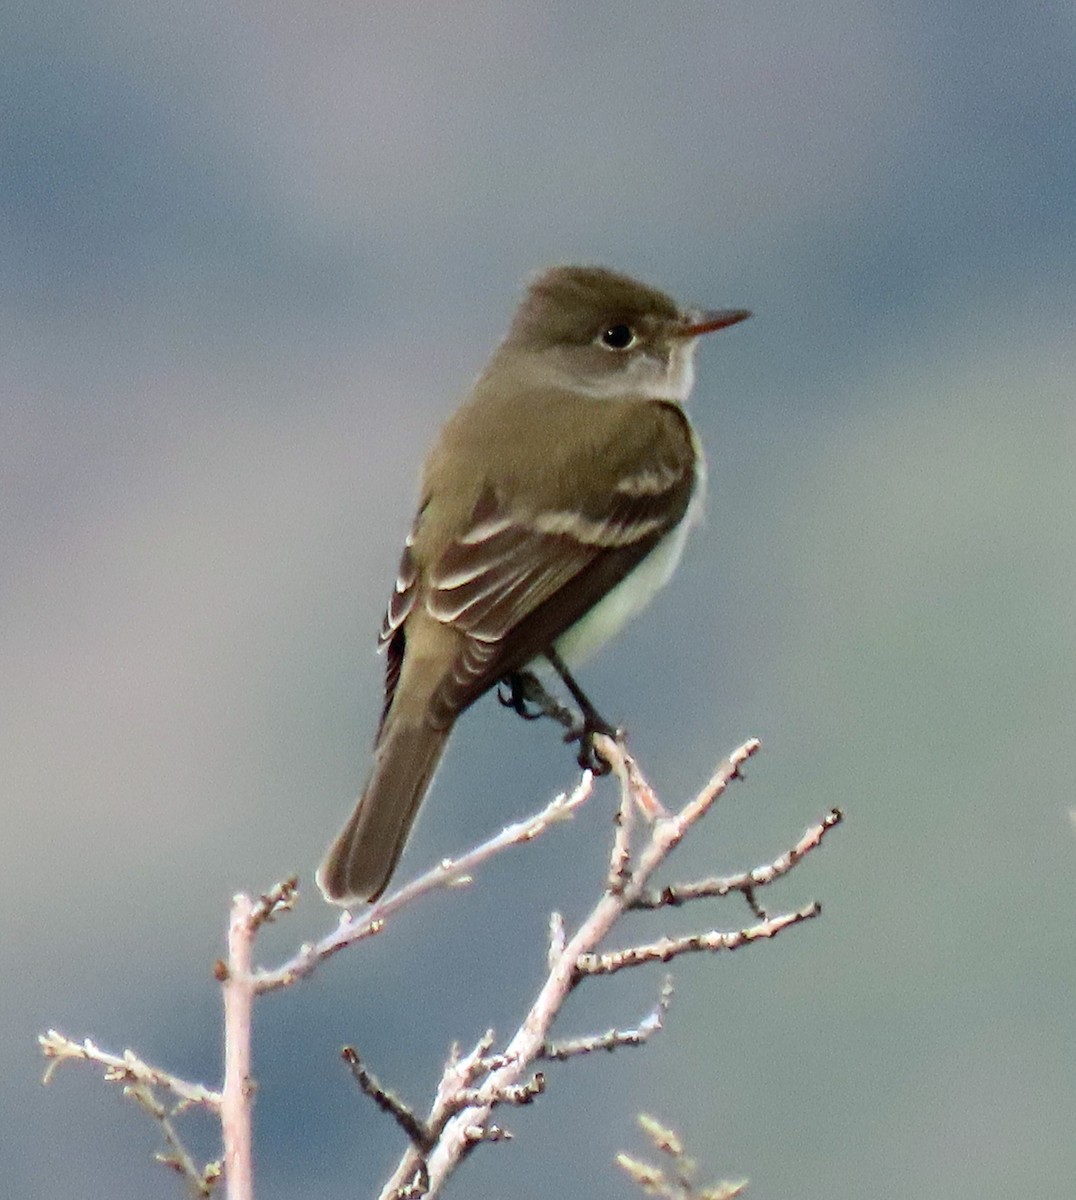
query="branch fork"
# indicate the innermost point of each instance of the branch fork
(475, 1083)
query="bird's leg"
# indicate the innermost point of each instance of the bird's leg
(523, 693)
(593, 722)
(517, 691)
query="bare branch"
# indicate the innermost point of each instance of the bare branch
(612, 1038)
(140, 1083)
(678, 1183)
(279, 899)
(126, 1068)
(673, 895)
(557, 938)
(620, 858)
(200, 1182)
(632, 781)
(515, 1093)
(418, 1132)
(524, 1093)
(668, 948)
(473, 1084)
(526, 1044)
(447, 873)
(238, 1092)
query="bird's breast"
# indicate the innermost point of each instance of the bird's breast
(635, 591)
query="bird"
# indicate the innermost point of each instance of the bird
(553, 505)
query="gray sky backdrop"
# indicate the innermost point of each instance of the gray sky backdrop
(251, 253)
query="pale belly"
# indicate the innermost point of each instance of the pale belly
(630, 596)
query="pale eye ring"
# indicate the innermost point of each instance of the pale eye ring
(617, 337)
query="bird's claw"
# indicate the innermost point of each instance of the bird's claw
(512, 693)
(589, 757)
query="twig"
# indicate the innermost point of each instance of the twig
(620, 858)
(472, 1085)
(140, 1081)
(200, 1182)
(667, 948)
(514, 1093)
(418, 1132)
(557, 938)
(632, 780)
(526, 1044)
(613, 1038)
(238, 1092)
(447, 873)
(279, 899)
(681, 1185)
(676, 894)
(126, 1068)
(454, 1091)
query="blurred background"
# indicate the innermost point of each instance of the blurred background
(251, 255)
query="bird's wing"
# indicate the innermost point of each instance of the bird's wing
(513, 580)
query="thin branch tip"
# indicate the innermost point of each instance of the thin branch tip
(474, 1083)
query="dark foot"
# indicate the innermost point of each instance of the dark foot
(524, 694)
(593, 724)
(520, 693)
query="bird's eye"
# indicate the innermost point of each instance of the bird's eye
(618, 337)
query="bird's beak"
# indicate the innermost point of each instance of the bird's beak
(707, 322)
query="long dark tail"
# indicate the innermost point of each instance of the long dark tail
(360, 862)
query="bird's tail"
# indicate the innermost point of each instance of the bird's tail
(361, 860)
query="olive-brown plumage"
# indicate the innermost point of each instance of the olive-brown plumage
(553, 504)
